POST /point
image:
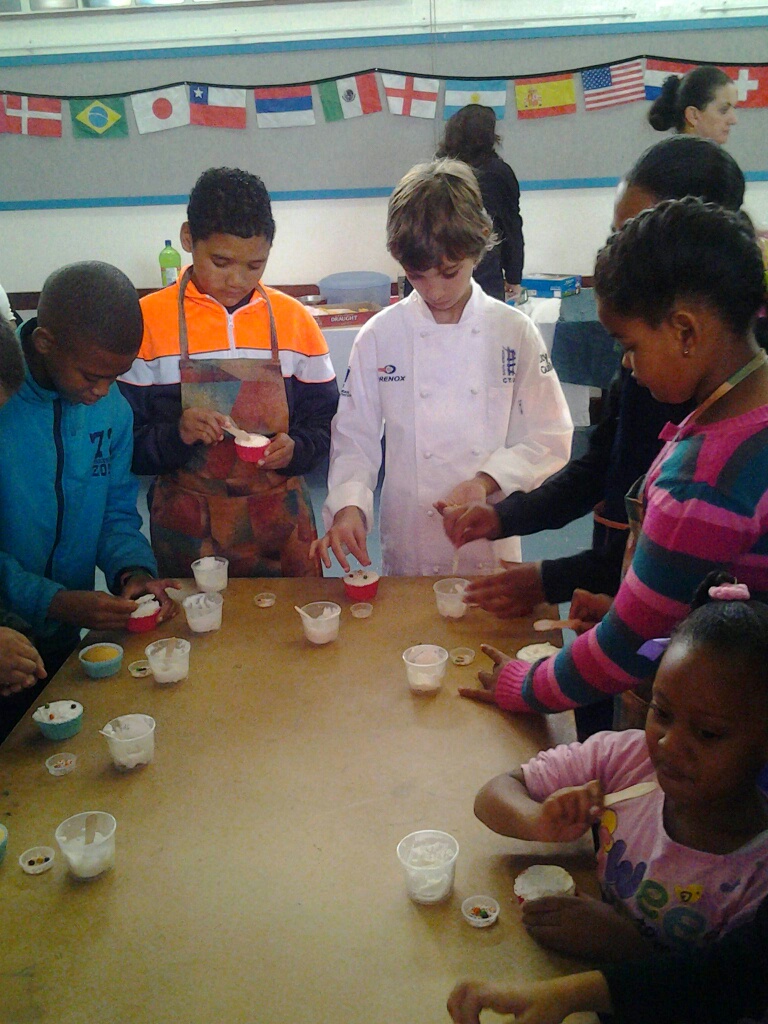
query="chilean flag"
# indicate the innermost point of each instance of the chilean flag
(214, 107)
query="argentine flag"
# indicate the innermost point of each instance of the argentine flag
(459, 92)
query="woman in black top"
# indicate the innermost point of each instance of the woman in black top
(470, 135)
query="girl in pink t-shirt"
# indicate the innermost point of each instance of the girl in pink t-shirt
(687, 861)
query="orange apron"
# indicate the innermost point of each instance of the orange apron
(218, 504)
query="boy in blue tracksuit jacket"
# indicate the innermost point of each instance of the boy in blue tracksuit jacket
(67, 495)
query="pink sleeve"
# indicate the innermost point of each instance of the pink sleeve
(508, 692)
(615, 759)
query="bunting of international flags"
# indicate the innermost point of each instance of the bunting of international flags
(357, 95)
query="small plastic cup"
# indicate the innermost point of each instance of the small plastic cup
(425, 665)
(462, 655)
(169, 659)
(61, 764)
(429, 861)
(84, 859)
(37, 860)
(211, 573)
(320, 620)
(480, 911)
(131, 740)
(361, 610)
(255, 449)
(203, 611)
(449, 595)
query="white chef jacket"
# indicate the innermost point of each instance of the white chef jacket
(452, 400)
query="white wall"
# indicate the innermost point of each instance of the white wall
(563, 230)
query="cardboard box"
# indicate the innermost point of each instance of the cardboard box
(551, 286)
(342, 316)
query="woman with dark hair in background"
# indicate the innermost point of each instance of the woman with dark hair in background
(700, 103)
(470, 135)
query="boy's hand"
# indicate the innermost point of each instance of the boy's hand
(92, 609)
(279, 453)
(137, 586)
(346, 536)
(511, 593)
(567, 814)
(589, 608)
(203, 425)
(583, 926)
(20, 663)
(465, 523)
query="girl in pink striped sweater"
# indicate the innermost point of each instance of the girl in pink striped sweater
(679, 287)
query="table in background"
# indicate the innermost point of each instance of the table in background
(256, 880)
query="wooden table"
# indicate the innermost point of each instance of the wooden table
(256, 879)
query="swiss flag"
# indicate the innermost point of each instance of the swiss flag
(751, 84)
(30, 115)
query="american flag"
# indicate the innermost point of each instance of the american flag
(613, 84)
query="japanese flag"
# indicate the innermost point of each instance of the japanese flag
(161, 109)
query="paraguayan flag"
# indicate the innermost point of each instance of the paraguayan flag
(487, 92)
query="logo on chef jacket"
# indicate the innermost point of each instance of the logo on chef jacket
(389, 372)
(545, 363)
(508, 365)
(101, 461)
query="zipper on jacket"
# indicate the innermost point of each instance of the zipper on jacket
(58, 488)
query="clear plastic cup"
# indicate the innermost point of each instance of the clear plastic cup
(169, 659)
(320, 620)
(211, 573)
(131, 740)
(429, 860)
(425, 665)
(88, 859)
(449, 595)
(203, 611)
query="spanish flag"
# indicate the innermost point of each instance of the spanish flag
(545, 97)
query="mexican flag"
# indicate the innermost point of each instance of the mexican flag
(349, 97)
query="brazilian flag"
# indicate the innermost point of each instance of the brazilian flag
(98, 118)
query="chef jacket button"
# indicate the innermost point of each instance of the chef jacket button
(423, 334)
(474, 391)
(475, 451)
(430, 512)
(435, 570)
(427, 455)
(475, 330)
(424, 393)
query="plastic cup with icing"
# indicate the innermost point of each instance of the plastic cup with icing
(253, 448)
(543, 880)
(449, 595)
(361, 585)
(169, 659)
(428, 858)
(131, 740)
(144, 618)
(203, 611)
(87, 841)
(320, 620)
(211, 573)
(425, 666)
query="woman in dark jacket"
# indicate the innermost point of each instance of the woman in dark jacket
(470, 135)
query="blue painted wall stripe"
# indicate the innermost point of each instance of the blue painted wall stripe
(356, 42)
(544, 185)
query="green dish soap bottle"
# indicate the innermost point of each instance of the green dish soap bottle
(170, 264)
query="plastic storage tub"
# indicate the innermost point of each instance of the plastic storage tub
(356, 287)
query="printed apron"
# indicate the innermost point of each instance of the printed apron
(218, 504)
(631, 707)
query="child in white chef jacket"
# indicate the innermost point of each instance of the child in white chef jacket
(459, 383)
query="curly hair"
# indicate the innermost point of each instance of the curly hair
(228, 201)
(683, 248)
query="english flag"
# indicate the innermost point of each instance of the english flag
(410, 96)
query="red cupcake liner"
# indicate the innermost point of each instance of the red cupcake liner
(143, 624)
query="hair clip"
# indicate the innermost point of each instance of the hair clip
(653, 649)
(730, 592)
